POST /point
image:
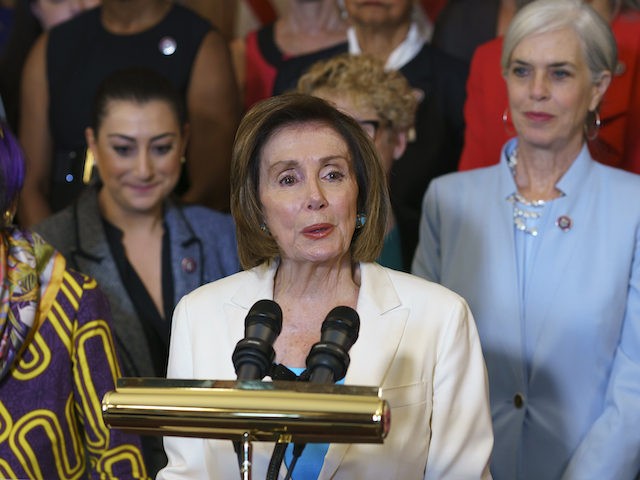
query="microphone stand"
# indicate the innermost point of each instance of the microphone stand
(247, 451)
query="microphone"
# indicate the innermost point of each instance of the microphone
(254, 354)
(328, 360)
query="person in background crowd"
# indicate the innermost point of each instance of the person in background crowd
(310, 202)
(488, 118)
(545, 247)
(68, 63)
(7, 8)
(269, 61)
(57, 357)
(32, 17)
(389, 31)
(463, 25)
(383, 103)
(144, 249)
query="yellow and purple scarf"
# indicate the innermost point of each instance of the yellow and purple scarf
(27, 265)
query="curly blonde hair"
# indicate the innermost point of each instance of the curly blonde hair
(366, 81)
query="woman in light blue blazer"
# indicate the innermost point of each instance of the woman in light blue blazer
(545, 247)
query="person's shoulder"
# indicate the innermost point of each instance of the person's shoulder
(467, 178)
(409, 285)
(622, 181)
(81, 293)
(491, 48)
(218, 291)
(420, 294)
(206, 221)
(200, 212)
(78, 23)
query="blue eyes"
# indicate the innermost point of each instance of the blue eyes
(555, 74)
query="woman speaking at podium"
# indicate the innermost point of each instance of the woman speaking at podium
(310, 203)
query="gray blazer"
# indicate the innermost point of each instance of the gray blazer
(203, 249)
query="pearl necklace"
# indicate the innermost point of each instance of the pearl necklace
(528, 210)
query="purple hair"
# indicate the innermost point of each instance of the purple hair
(11, 167)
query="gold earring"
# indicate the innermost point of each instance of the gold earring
(7, 217)
(183, 159)
(89, 163)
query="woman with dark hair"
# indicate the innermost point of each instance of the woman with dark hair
(57, 356)
(545, 246)
(145, 249)
(310, 201)
(68, 63)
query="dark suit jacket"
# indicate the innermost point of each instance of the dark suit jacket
(203, 249)
(439, 136)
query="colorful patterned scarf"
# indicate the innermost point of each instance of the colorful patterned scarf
(26, 267)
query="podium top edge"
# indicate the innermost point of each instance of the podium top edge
(248, 385)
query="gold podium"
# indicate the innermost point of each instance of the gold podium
(246, 411)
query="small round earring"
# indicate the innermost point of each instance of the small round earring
(508, 125)
(264, 228)
(361, 219)
(183, 159)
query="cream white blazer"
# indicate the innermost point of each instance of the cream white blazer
(417, 341)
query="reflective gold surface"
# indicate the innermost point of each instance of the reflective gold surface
(305, 412)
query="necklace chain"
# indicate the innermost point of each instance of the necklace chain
(523, 209)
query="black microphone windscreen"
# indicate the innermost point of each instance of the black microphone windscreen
(328, 360)
(254, 354)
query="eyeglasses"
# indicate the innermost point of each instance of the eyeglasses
(370, 127)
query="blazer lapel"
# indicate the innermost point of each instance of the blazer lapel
(187, 262)
(382, 322)
(93, 257)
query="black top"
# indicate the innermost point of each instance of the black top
(157, 327)
(439, 137)
(81, 53)
(290, 69)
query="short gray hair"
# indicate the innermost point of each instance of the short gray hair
(541, 16)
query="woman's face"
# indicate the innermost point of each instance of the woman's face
(52, 12)
(389, 144)
(379, 13)
(308, 192)
(551, 90)
(137, 152)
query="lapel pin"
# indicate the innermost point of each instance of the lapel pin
(564, 223)
(188, 265)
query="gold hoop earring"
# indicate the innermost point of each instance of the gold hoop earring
(89, 163)
(592, 128)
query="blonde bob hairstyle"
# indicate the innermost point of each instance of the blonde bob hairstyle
(542, 16)
(266, 119)
(364, 80)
